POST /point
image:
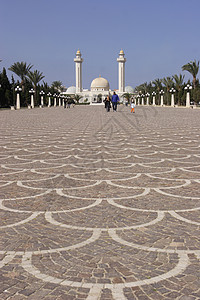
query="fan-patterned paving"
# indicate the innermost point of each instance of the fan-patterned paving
(98, 206)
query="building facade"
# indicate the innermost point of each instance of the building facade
(100, 87)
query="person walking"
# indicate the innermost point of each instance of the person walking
(68, 103)
(107, 104)
(132, 107)
(115, 99)
(104, 101)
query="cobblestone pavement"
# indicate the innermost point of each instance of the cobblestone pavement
(97, 205)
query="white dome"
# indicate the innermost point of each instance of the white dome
(100, 84)
(71, 90)
(129, 89)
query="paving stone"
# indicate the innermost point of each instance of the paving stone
(96, 205)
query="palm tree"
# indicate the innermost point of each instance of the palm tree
(57, 85)
(99, 98)
(45, 87)
(21, 69)
(142, 88)
(157, 84)
(77, 97)
(127, 96)
(179, 82)
(193, 68)
(35, 77)
(168, 83)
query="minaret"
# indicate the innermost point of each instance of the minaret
(121, 60)
(78, 60)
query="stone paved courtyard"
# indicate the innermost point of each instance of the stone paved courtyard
(97, 205)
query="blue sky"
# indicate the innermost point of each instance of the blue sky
(157, 36)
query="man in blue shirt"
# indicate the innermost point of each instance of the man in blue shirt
(115, 99)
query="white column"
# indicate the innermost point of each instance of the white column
(54, 101)
(32, 100)
(161, 100)
(42, 98)
(172, 91)
(49, 102)
(18, 101)
(188, 99)
(161, 97)
(172, 99)
(147, 95)
(78, 61)
(142, 100)
(42, 101)
(59, 101)
(32, 92)
(121, 60)
(188, 88)
(154, 98)
(18, 90)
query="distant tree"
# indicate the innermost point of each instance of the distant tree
(127, 96)
(157, 86)
(46, 88)
(195, 93)
(57, 85)
(77, 98)
(99, 98)
(21, 69)
(5, 90)
(35, 77)
(168, 83)
(13, 85)
(179, 81)
(193, 68)
(142, 88)
(145, 88)
(179, 84)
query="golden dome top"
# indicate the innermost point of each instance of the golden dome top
(121, 52)
(78, 52)
(100, 82)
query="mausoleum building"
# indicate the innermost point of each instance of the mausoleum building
(100, 87)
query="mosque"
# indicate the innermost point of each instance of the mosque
(100, 87)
